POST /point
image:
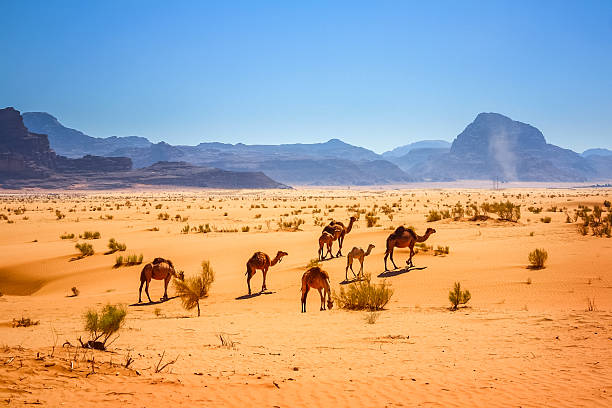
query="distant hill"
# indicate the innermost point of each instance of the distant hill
(597, 152)
(423, 144)
(27, 160)
(495, 146)
(73, 143)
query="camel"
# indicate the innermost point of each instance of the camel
(159, 269)
(404, 237)
(339, 231)
(259, 260)
(357, 253)
(325, 239)
(316, 278)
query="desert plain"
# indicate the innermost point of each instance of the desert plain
(527, 338)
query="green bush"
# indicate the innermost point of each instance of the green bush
(537, 258)
(371, 219)
(433, 216)
(90, 235)
(128, 260)
(364, 295)
(102, 325)
(85, 248)
(67, 236)
(194, 288)
(115, 246)
(507, 211)
(458, 297)
(546, 220)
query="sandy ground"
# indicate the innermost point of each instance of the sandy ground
(516, 344)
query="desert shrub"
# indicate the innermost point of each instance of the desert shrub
(67, 236)
(537, 258)
(185, 229)
(442, 250)
(59, 215)
(433, 216)
(90, 235)
(25, 322)
(607, 204)
(364, 295)
(507, 211)
(546, 220)
(163, 216)
(292, 225)
(313, 263)
(203, 229)
(103, 324)
(457, 211)
(246, 228)
(371, 219)
(158, 207)
(75, 291)
(115, 246)
(128, 260)
(458, 297)
(85, 249)
(194, 288)
(535, 210)
(371, 317)
(583, 229)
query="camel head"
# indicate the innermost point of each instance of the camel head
(430, 231)
(330, 303)
(371, 247)
(180, 275)
(280, 255)
(354, 218)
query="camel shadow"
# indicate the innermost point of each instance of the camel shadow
(388, 274)
(154, 302)
(252, 295)
(331, 259)
(357, 279)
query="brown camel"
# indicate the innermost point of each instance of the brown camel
(402, 238)
(316, 278)
(359, 254)
(325, 239)
(337, 229)
(259, 260)
(159, 269)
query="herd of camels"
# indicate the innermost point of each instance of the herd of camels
(315, 277)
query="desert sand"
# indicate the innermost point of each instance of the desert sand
(526, 338)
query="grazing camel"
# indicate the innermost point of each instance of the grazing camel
(339, 231)
(159, 269)
(316, 278)
(357, 253)
(259, 260)
(325, 239)
(402, 238)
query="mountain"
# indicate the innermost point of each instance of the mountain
(495, 146)
(597, 152)
(415, 158)
(73, 143)
(26, 160)
(423, 144)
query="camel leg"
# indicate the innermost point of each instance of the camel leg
(329, 251)
(391, 257)
(147, 291)
(140, 291)
(348, 262)
(265, 272)
(322, 300)
(249, 276)
(409, 261)
(166, 287)
(339, 247)
(304, 295)
(361, 269)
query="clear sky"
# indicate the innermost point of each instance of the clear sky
(376, 73)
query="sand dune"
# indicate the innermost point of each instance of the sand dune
(516, 344)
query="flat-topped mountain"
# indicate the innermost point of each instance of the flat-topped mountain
(422, 144)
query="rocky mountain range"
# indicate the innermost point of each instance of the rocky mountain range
(27, 160)
(492, 146)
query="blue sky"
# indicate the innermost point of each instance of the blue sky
(377, 74)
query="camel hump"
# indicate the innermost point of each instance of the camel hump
(158, 260)
(399, 230)
(411, 232)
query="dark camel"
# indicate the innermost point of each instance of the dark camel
(339, 231)
(316, 278)
(326, 239)
(402, 238)
(159, 269)
(259, 260)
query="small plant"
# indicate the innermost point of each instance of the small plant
(85, 249)
(67, 236)
(364, 295)
(226, 341)
(371, 317)
(102, 325)
(440, 250)
(546, 220)
(115, 246)
(185, 229)
(537, 258)
(25, 322)
(90, 235)
(458, 297)
(128, 260)
(434, 216)
(246, 228)
(59, 215)
(591, 305)
(194, 288)
(314, 262)
(75, 291)
(371, 219)
(528, 282)
(157, 311)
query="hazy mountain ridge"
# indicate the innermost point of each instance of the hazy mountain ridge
(492, 146)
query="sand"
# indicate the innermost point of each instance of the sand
(515, 344)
